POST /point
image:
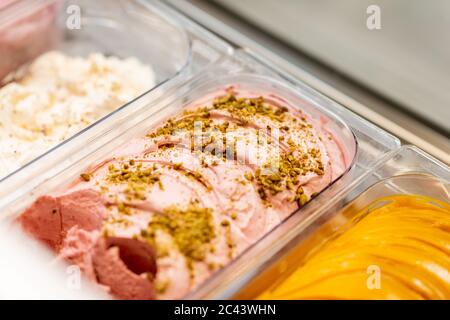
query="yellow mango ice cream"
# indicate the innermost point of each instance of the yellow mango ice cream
(400, 250)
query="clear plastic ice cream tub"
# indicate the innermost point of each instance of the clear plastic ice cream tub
(408, 172)
(79, 28)
(363, 145)
(71, 63)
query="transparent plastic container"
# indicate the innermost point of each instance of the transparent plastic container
(173, 46)
(78, 27)
(201, 92)
(409, 171)
(365, 144)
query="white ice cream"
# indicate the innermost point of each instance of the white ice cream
(59, 96)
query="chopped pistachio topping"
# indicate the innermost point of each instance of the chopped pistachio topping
(249, 176)
(85, 176)
(161, 286)
(186, 123)
(192, 229)
(293, 163)
(123, 208)
(231, 245)
(247, 108)
(194, 175)
(137, 178)
(243, 109)
(286, 172)
(302, 200)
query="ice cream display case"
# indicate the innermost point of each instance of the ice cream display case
(201, 185)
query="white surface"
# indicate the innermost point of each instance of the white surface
(28, 271)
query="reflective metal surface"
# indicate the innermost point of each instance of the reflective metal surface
(396, 48)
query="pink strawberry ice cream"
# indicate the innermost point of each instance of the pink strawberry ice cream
(167, 210)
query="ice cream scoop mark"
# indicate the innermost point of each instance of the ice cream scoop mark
(195, 175)
(139, 257)
(197, 193)
(145, 206)
(114, 272)
(167, 142)
(225, 116)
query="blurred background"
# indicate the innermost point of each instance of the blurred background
(400, 71)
